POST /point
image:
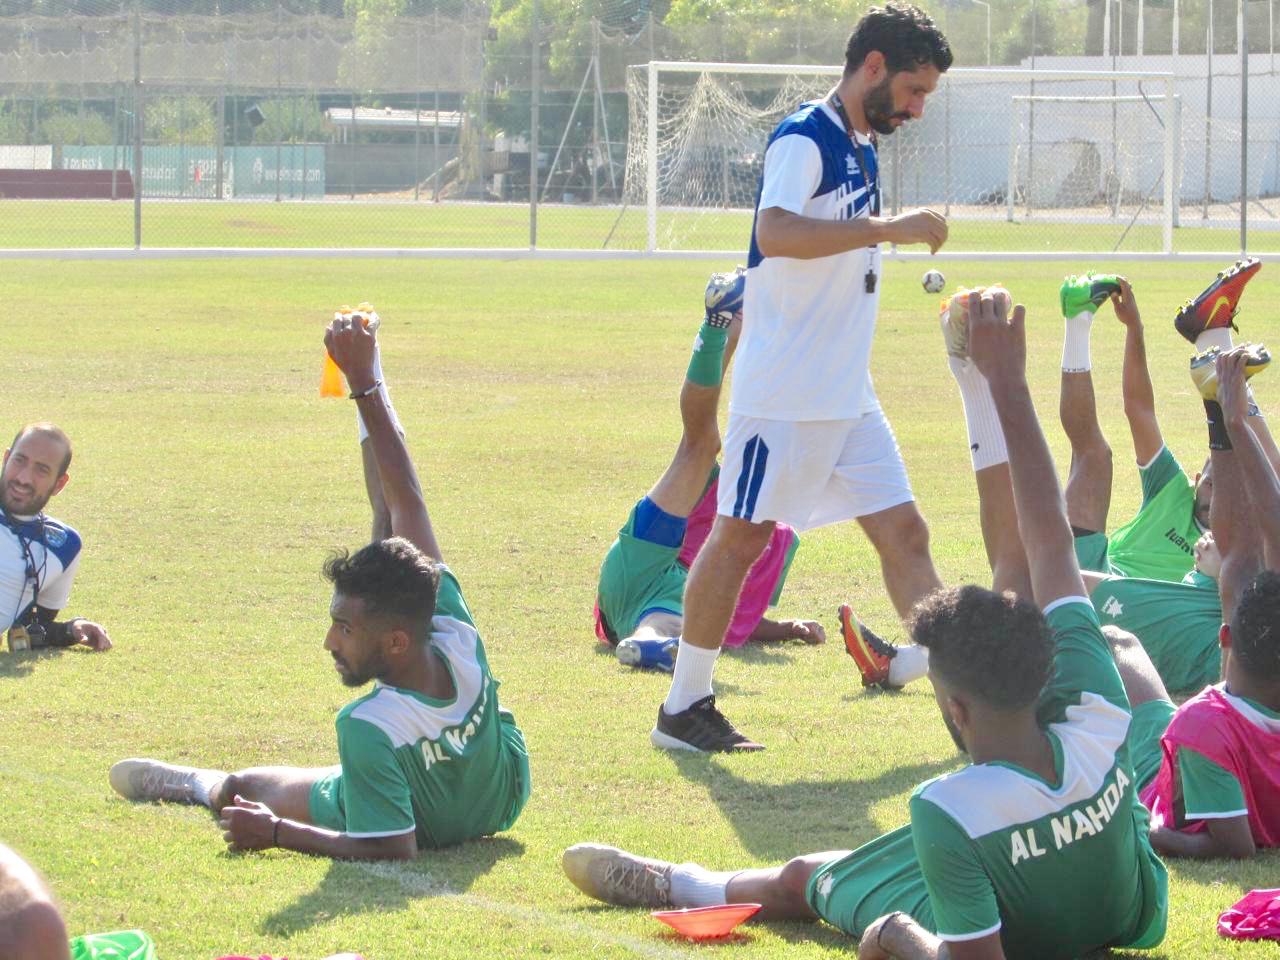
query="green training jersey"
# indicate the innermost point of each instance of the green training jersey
(1177, 623)
(451, 769)
(1159, 542)
(1062, 868)
(1209, 791)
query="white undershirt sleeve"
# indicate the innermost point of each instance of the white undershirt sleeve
(55, 594)
(792, 172)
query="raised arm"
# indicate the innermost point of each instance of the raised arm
(997, 344)
(1139, 398)
(351, 346)
(1256, 516)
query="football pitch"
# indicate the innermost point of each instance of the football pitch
(102, 223)
(539, 398)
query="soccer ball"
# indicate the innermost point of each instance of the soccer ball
(933, 281)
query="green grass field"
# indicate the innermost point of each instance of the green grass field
(210, 481)
(98, 223)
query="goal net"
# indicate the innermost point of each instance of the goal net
(1010, 155)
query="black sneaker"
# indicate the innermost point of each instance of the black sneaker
(700, 727)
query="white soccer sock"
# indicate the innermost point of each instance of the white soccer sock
(1075, 343)
(205, 782)
(910, 664)
(691, 680)
(1219, 337)
(986, 438)
(695, 886)
(386, 398)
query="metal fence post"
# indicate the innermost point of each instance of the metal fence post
(137, 125)
(278, 103)
(435, 127)
(535, 79)
(417, 108)
(1242, 34)
(220, 159)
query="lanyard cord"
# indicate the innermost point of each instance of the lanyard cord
(872, 185)
(30, 573)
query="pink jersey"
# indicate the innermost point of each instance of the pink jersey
(762, 581)
(1237, 738)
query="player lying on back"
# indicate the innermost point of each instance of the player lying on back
(39, 556)
(1156, 576)
(1007, 857)
(1214, 763)
(640, 599)
(427, 757)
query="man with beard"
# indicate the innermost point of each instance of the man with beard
(39, 556)
(1007, 856)
(427, 758)
(640, 595)
(807, 443)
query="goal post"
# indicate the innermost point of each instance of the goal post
(698, 131)
(1079, 174)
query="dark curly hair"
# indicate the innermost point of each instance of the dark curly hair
(1255, 628)
(396, 581)
(905, 34)
(993, 646)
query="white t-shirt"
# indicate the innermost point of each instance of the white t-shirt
(54, 550)
(805, 351)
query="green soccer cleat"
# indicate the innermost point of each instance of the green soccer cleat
(1204, 367)
(1087, 293)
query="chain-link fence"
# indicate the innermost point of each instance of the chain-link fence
(512, 124)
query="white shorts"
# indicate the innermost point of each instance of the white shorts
(809, 473)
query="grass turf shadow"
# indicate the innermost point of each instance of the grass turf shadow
(20, 664)
(831, 815)
(352, 887)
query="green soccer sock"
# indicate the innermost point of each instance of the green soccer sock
(706, 366)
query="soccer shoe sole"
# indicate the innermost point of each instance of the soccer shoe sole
(1225, 292)
(665, 741)
(1204, 373)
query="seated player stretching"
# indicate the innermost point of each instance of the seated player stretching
(640, 598)
(427, 758)
(1007, 856)
(1213, 765)
(1157, 575)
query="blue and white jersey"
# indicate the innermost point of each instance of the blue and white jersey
(52, 552)
(805, 351)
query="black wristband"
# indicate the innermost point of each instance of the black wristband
(275, 833)
(1218, 437)
(365, 393)
(59, 634)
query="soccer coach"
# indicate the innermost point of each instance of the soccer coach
(807, 443)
